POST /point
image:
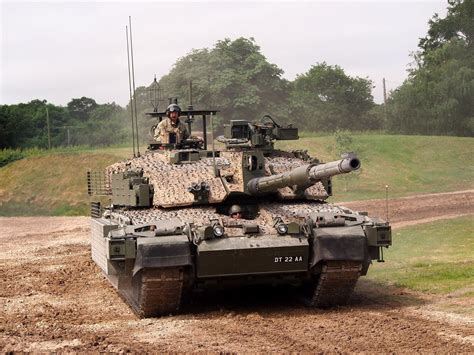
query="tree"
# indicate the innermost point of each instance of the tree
(437, 96)
(326, 98)
(23, 125)
(105, 126)
(233, 77)
(80, 109)
(458, 24)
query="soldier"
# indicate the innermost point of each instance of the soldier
(235, 212)
(171, 130)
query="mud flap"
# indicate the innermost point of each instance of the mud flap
(339, 243)
(163, 251)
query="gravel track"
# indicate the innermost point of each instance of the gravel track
(53, 298)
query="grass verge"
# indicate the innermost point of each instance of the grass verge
(407, 164)
(434, 258)
(52, 184)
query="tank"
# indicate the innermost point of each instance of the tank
(185, 217)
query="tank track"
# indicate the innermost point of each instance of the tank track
(159, 291)
(335, 284)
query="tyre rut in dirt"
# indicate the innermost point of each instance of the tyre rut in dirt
(335, 284)
(159, 291)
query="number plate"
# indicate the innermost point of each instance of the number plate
(288, 259)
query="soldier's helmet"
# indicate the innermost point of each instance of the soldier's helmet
(173, 108)
(235, 209)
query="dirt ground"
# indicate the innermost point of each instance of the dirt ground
(53, 298)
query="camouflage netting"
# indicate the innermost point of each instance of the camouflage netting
(171, 181)
(292, 212)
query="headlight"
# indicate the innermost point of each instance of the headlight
(218, 230)
(282, 228)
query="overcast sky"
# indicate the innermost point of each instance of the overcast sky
(62, 50)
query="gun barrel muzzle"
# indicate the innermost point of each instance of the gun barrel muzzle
(333, 168)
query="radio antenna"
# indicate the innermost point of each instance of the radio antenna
(133, 81)
(130, 90)
(190, 117)
(216, 172)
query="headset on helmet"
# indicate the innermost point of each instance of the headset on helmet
(173, 108)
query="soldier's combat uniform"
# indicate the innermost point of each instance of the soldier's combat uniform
(168, 132)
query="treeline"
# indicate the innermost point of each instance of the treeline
(82, 122)
(437, 98)
(235, 78)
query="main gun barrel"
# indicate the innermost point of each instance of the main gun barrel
(343, 166)
(303, 176)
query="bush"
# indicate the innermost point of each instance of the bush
(10, 155)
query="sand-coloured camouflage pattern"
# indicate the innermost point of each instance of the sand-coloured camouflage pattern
(232, 170)
(171, 181)
(201, 216)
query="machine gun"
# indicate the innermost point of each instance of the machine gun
(304, 176)
(261, 134)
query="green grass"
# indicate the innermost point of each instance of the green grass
(53, 182)
(407, 164)
(437, 257)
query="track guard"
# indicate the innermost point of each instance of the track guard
(339, 243)
(162, 252)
